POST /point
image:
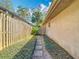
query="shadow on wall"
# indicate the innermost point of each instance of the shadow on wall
(63, 4)
(27, 51)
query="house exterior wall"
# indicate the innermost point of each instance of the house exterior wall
(64, 29)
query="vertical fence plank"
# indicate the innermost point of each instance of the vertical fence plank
(1, 30)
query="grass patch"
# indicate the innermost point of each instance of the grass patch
(18, 49)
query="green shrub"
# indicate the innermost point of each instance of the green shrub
(35, 30)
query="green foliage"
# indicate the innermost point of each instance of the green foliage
(7, 4)
(23, 12)
(36, 16)
(35, 30)
(0, 4)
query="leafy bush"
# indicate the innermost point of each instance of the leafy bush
(35, 30)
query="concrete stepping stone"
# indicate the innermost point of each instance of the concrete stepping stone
(39, 47)
(38, 57)
(38, 53)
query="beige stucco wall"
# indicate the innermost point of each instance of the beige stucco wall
(64, 29)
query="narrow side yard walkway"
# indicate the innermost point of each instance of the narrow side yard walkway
(39, 47)
(40, 51)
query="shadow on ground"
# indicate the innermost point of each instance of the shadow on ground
(55, 50)
(26, 51)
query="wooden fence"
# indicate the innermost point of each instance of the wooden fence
(12, 28)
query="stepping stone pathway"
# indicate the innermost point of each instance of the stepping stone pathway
(40, 51)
